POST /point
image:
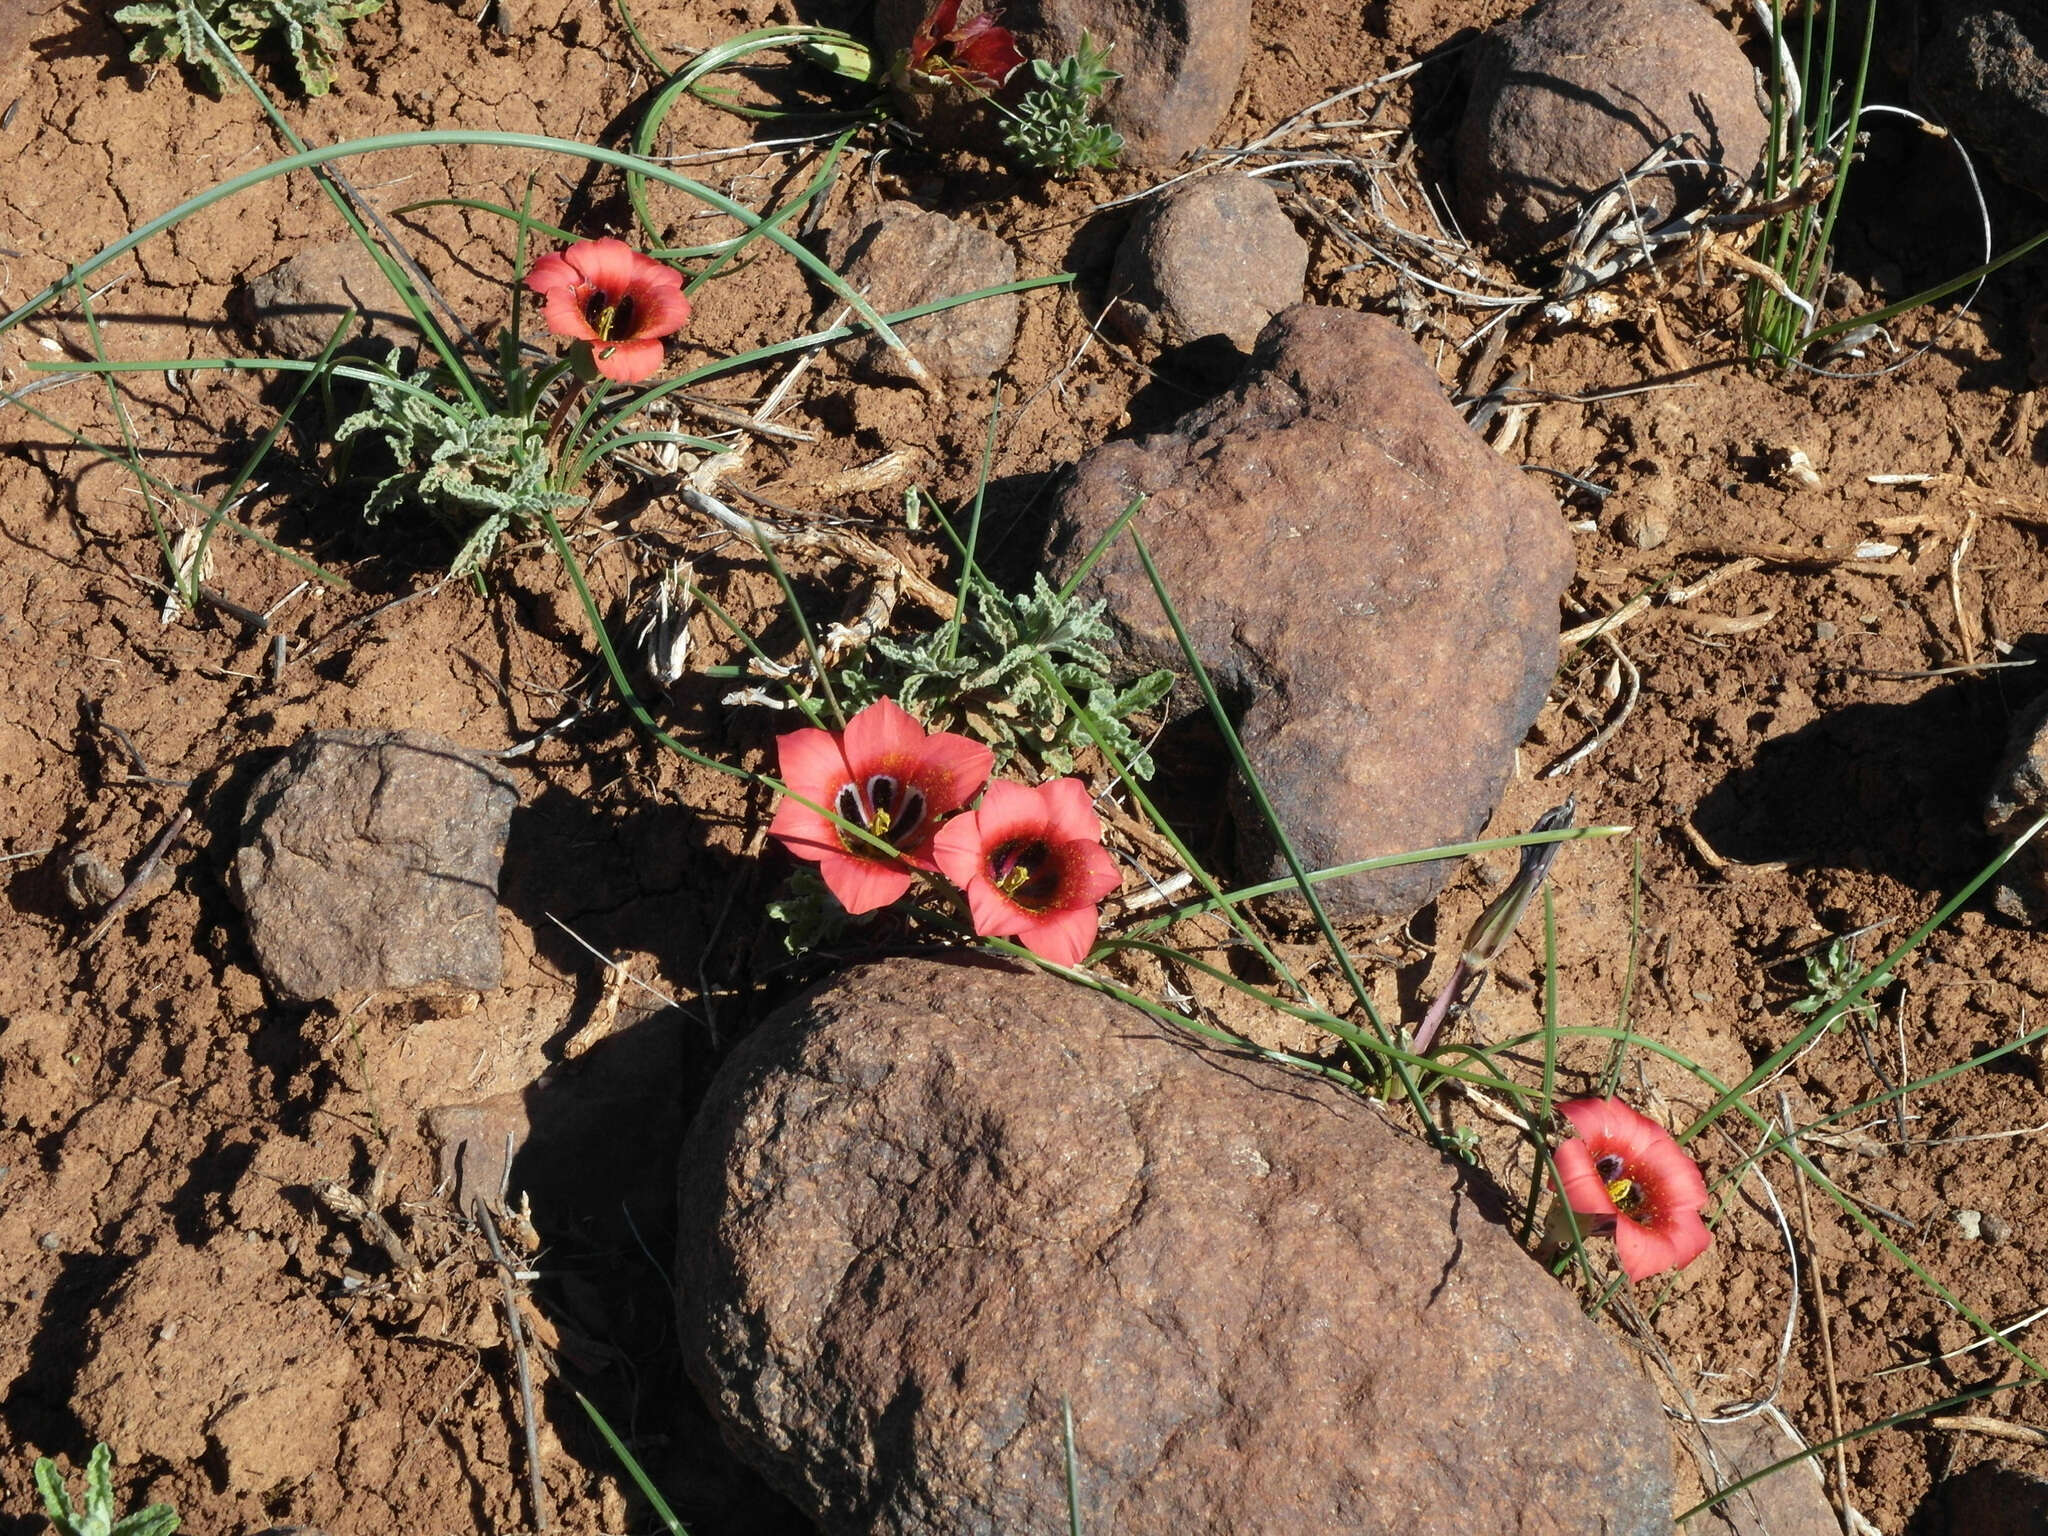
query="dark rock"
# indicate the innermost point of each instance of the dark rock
(1365, 579)
(1790, 1502)
(1990, 1499)
(369, 862)
(1213, 258)
(1983, 72)
(294, 307)
(2019, 793)
(1180, 60)
(938, 1196)
(902, 256)
(1573, 95)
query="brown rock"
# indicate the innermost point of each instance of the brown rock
(2019, 793)
(938, 1196)
(1984, 73)
(1180, 60)
(1573, 94)
(212, 1352)
(1365, 579)
(1790, 1502)
(1216, 257)
(902, 256)
(295, 306)
(369, 862)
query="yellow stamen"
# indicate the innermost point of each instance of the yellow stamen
(1623, 1193)
(880, 825)
(605, 317)
(1015, 880)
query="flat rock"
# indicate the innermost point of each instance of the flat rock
(1790, 1502)
(1983, 71)
(369, 862)
(936, 1197)
(1370, 585)
(1180, 60)
(901, 256)
(1573, 94)
(2019, 793)
(295, 306)
(1209, 262)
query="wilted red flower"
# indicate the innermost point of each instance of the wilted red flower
(980, 50)
(621, 303)
(1031, 861)
(882, 773)
(1624, 1173)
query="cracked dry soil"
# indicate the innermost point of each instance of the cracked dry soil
(185, 1269)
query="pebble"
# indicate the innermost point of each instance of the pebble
(1995, 1228)
(1972, 1223)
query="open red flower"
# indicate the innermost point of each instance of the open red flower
(882, 773)
(980, 50)
(1624, 1173)
(606, 294)
(1031, 861)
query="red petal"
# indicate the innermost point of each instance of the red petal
(628, 362)
(607, 264)
(863, 884)
(883, 738)
(983, 48)
(659, 309)
(1672, 1243)
(1064, 936)
(563, 312)
(1671, 1181)
(813, 763)
(1087, 874)
(1070, 812)
(1012, 813)
(1599, 1120)
(950, 769)
(957, 851)
(940, 21)
(551, 272)
(995, 915)
(805, 833)
(1584, 1190)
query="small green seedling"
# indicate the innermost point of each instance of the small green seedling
(177, 29)
(1054, 128)
(1830, 973)
(97, 1518)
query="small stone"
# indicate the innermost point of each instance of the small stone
(1573, 95)
(1372, 587)
(89, 881)
(369, 862)
(1971, 1223)
(1792, 1501)
(900, 1249)
(1824, 629)
(1206, 263)
(1994, 1228)
(294, 307)
(903, 256)
(49, 1242)
(1643, 525)
(2019, 793)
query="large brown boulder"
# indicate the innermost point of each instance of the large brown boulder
(1573, 95)
(1366, 580)
(929, 1202)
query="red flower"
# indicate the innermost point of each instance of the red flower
(883, 773)
(1625, 1173)
(605, 293)
(1033, 866)
(981, 50)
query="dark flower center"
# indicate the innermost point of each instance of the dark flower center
(611, 318)
(894, 811)
(1624, 1191)
(1025, 871)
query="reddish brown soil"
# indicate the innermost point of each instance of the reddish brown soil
(168, 1278)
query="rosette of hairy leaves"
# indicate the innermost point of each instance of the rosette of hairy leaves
(480, 473)
(1054, 128)
(989, 679)
(176, 29)
(100, 1514)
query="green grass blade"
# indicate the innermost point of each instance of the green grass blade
(627, 1460)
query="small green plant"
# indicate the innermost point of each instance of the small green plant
(97, 1518)
(1831, 974)
(177, 29)
(1054, 128)
(482, 473)
(987, 675)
